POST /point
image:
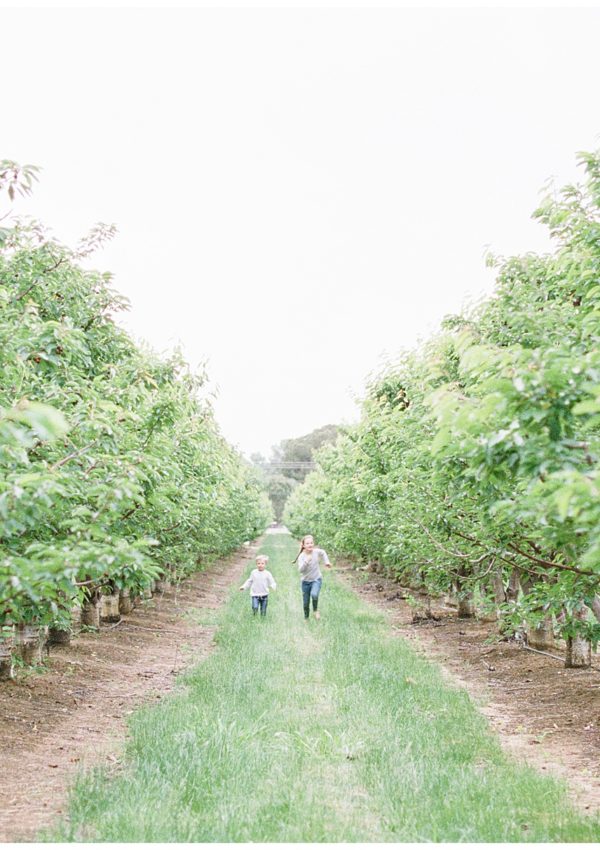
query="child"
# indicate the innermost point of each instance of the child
(308, 565)
(259, 583)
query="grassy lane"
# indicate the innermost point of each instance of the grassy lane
(330, 731)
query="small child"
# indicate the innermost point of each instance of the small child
(259, 583)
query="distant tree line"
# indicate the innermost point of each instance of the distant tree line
(280, 483)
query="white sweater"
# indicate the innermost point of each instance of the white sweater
(308, 565)
(259, 583)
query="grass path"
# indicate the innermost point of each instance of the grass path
(311, 732)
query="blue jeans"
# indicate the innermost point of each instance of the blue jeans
(260, 601)
(310, 590)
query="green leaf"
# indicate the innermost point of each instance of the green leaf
(45, 421)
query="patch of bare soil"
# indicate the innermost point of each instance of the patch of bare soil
(543, 713)
(74, 714)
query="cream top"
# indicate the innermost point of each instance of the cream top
(308, 565)
(259, 583)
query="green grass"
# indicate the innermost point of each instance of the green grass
(315, 732)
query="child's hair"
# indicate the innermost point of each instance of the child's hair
(264, 558)
(301, 547)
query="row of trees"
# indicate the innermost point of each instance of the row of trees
(475, 466)
(112, 471)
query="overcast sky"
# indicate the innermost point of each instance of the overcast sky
(297, 191)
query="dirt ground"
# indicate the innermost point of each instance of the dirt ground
(74, 715)
(544, 714)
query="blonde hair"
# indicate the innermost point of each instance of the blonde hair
(264, 558)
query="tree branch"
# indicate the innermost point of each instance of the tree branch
(550, 564)
(37, 280)
(66, 459)
(460, 555)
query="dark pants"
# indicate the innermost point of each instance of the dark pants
(310, 590)
(260, 601)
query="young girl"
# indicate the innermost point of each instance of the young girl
(259, 583)
(308, 565)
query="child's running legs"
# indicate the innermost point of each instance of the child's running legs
(310, 591)
(260, 602)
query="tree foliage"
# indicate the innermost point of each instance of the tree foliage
(476, 461)
(111, 469)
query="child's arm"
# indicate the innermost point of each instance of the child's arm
(272, 582)
(246, 584)
(325, 558)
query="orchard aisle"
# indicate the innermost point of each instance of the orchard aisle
(310, 732)
(73, 714)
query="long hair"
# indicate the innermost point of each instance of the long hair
(301, 547)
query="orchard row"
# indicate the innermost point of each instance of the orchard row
(475, 466)
(113, 474)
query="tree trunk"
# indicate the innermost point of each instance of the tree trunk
(6, 660)
(75, 617)
(90, 609)
(59, 637)
(512, 592)
(498, 587)
(579, 652)
(541, 636)
(498, 594)
(423, 610)
(125, 602)
(90, 613)
(109, 608)
(29, 642)
(466, 605)
(579, 649)
(493, 589)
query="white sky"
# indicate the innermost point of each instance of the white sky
(297, 191)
